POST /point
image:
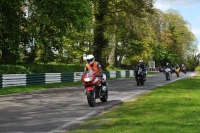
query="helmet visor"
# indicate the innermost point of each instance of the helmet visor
(89, 60)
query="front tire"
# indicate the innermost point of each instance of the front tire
(177, 74)
(138, 81)
(167, 76)
(142, 82)
(91, 99)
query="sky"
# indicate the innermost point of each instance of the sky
(189, 9)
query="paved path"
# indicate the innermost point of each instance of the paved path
(57, 110)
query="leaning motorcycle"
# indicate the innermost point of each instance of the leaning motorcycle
(184, 70)
(167, 73)
(94, 88)
(139, 77)
(177, 71)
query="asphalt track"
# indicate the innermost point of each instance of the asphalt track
(60, 109)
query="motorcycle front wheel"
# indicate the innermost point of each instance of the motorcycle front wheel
(91, 99)
(167, 76)
(142, 82)
(177, 74)
(138, 81)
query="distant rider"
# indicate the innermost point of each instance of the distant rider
(142, 66)
(168, 66)
(177, 66)
(183, 66)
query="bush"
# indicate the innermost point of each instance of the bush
(197, 68)
(13, 69)
(40, 68)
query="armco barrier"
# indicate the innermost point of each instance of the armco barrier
(1, 81)
(152, 69)
(8, 80)
(13, 80)
(32, 79)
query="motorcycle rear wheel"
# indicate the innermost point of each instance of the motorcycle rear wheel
(91, 99)
(104, 98)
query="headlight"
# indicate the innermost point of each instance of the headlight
(167, 69)
(87, 79)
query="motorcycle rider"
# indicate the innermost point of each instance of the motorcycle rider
(183, 66)
(177, 66)
(168, 66)
(142, 66)
(96, 66)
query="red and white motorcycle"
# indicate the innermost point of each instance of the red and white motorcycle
(184, 69)
(93, 87)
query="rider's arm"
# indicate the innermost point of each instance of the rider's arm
(100, 69)
(85, 69)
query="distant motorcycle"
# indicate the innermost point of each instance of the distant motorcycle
(167, 73)
(139, 76)
(184, 70)
(161, 69)
(177, 71)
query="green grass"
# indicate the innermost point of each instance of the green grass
(172, 108)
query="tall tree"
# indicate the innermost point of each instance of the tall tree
(54, 19)
(121, 15)
(12, 22)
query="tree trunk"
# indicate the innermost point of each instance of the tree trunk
(8, 57)
(113, 56)
(113, 49)
(100, 41)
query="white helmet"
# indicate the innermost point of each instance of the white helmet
(90, 59)
(140, 61)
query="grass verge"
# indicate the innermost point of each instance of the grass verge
(172, 108)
